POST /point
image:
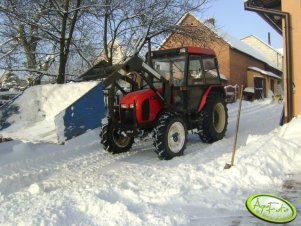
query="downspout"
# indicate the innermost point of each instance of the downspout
(287, 30)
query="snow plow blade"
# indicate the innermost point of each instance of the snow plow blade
(53, 113)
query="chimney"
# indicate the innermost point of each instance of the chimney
(211, 21)
(269, 38)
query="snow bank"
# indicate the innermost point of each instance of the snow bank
(264, 161)
(267, 159)
(38, 107)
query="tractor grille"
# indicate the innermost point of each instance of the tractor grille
(127, 116)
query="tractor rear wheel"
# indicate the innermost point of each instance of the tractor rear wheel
(170, 136)
(213, 119)
(114, 140)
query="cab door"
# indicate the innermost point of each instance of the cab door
(195, 82)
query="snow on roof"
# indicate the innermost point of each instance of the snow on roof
(249, 90)
(239, 45)
(280, 50)
(268, 73)
(235, 43)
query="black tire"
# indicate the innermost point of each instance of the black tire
(213, 119)
(170, 136)
(113, 140)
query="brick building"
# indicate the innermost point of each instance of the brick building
(234, 56)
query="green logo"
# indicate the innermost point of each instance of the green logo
(271, 208)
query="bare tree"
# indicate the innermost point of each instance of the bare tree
(134, 22)
(68, 17)
(41, 32)
(52, 37)
(21, 31)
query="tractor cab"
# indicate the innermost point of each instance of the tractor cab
(187, 66)
(189, 70)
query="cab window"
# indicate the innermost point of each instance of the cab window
(172, 68)
(195, 72)
(210, 71)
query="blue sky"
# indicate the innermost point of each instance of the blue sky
(232, 18)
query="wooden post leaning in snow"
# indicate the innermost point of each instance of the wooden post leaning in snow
(227, 166)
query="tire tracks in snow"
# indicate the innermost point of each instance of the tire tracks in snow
(20, 175)
(250, 109)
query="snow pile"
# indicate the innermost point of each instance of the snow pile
(249, 90)
(266, 159)
(38, 107)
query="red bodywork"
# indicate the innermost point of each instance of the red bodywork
(155, 103)
(137, 98)
(205, 95)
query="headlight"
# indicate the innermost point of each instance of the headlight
(132, 105)
(123, 105)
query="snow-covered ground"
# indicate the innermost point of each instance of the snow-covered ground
(80, 184)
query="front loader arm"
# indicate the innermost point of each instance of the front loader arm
(135, 64)
(110, 74)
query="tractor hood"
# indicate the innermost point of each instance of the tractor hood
(138, 97)
(145, 103)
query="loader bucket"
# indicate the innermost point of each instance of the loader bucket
(53, 113)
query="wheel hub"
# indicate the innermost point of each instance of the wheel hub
(120, 139)
(176, 137)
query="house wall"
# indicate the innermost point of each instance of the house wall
(239, 63)
(267, 50)
(294, 9)
(250, 78)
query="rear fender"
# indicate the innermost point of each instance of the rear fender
(213, 88)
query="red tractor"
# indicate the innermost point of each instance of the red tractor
(181, 91)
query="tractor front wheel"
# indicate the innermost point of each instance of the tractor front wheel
(170, 136)
(114, 140)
